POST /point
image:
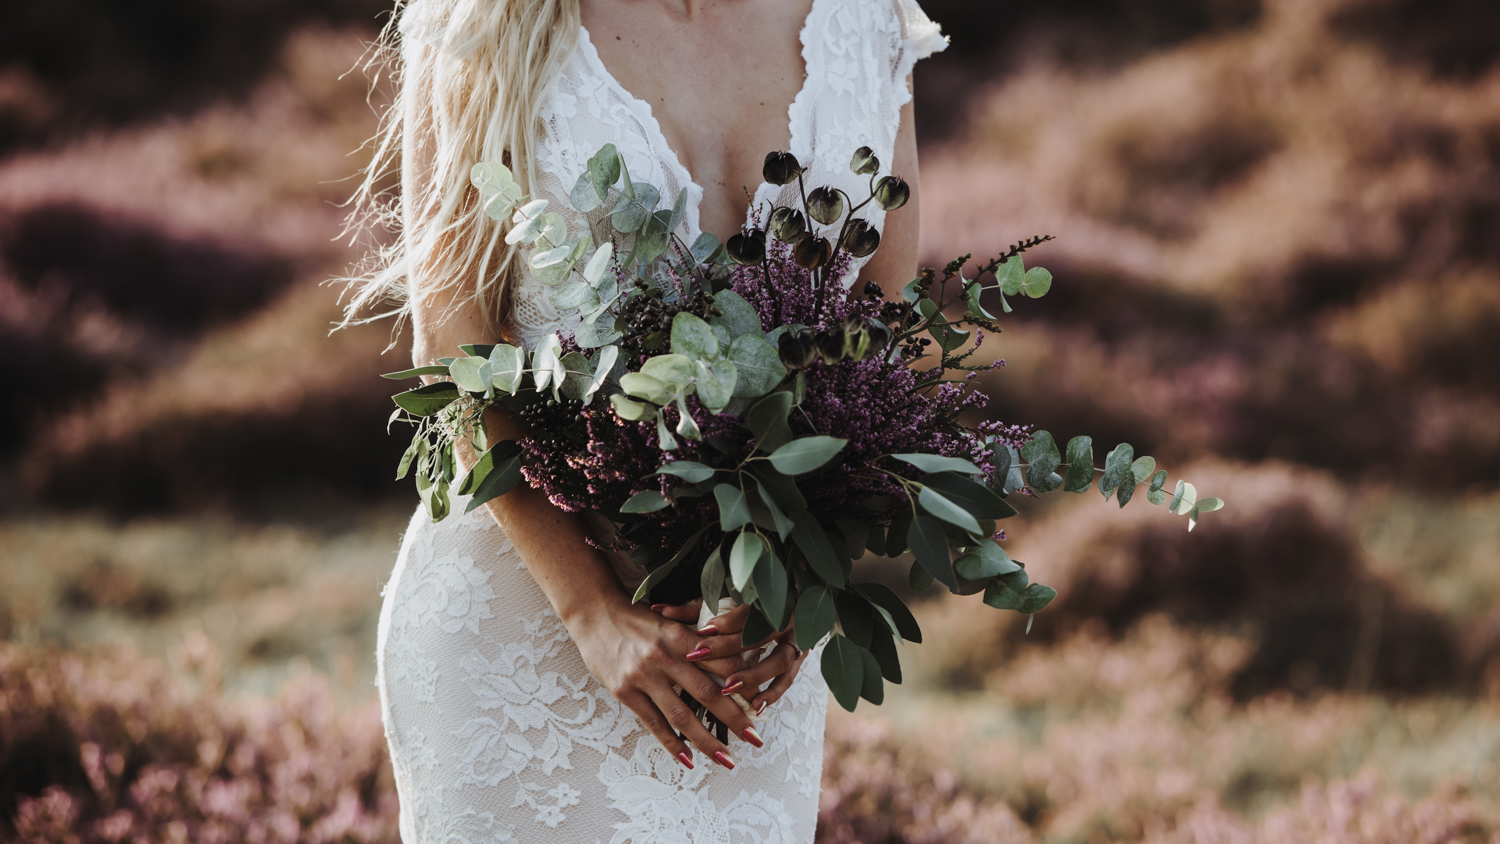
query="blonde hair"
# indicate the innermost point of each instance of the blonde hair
(471, 76)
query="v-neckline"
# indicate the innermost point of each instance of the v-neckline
(659, 139)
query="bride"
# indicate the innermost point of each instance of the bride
(525, 698)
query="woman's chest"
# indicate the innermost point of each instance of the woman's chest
(719, 87)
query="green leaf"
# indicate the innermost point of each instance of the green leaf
(604, 169)
(628, 216)
(1036, 282)
(502, 477)
(631, 410)
(1142, 468)
(1207, 505)
(759, 364)
(783, 523)
(572, 295)
(1011, 274)
(883, 648)
(856, 616)
(771, 587)
(805, 454)
(1040, 453)
(843, 669)
(1155, 494)
(427, 399)
(938, 505)
(733, 509)
(895, 535)
(919, 578)
(737, 314)
(592, 335)
(693, 337)
(507, 367)
(743, 556)
(1003, 457)
(645, 501)
(881, 596)
(1116, 469)
(872, 688)
(1080, 465)
(1125, 491)
(674, 370)
(404, 468)
(767, 421)
(583, 196)
(715, 383)
(978, 499)
(706, 248)
(814, 617)
(658, 574)
(1008, 591)
(693, 473)
(938, 463)
(1178, 496)
(984, 560)
(711, 579)
(975, 303)
(813, 542)
(577, 375)
(434, 369)
(930, 546)
(757, 627)
(1036, 598)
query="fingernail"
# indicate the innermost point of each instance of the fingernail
(707, 630)
(760, 708)
(733, 687)
(723, 759)
(749, 734)
(700, 653)
(685, 759)
(658, 607)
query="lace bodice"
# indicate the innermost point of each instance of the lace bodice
(858, 55)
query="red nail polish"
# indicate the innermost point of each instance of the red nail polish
(685, 759)
(723, 759)
(707, 630)
(753, 737)
(700, 653)
(733, 687)
(760, 708)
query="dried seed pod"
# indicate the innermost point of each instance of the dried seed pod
(825, 205)
(788, 224)
(864, 162)
(811, 252)
(797, 350)
(781, 168)
(891, 193)
(747, 247)
(860, 240)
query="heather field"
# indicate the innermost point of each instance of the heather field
(1277, 270)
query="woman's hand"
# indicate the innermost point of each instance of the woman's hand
(720, 654)
(639, 656)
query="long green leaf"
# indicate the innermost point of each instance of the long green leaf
(843, 669)
(743, 557)
(938, 463)
(734, 511)
(813, 542)
(427, 399)
(881, 596)
(936, 504)
(930, 546)
(978, 499)
(434, 369)
(814, 617)
(806, 454)
(503, 477)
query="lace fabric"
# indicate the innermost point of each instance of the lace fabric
(497, 730)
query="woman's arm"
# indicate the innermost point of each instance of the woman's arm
(636, 654)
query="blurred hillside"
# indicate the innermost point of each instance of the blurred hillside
(1278, 271)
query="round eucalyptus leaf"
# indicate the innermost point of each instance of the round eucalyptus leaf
(466, 375)
(758, 364)
(1011, 275)
(1036, 282)
(693, 337)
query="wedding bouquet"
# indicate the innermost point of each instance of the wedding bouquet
(750, 426)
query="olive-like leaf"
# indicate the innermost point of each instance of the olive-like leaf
(843, 670)
(806, 454)
(645, 501)
(743, 557)
(930, 546)
(1040, 453)
(734, 511)
(693, 473)
(937, 504)
(938, 463)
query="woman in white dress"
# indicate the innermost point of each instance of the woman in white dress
(525, 697)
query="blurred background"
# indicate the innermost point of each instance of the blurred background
(1278, 271)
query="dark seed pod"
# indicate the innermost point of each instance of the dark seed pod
(747, 247)
(825, 205)
(864, 162)
(810, 252)
(781, 168)
(787, 224)
(831, 345)
(880, 334)
(797, 350)
(891, 193)
(860, 240)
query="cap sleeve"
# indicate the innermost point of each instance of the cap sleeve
(920, 38)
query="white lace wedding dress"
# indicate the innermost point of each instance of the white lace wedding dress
(497, 731)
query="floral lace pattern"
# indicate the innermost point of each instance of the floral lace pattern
(497, 730)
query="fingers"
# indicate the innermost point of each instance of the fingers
(682, 613)
(729, 622)
(658, 724)
(783, 681)
(780, 660)
(707, 692)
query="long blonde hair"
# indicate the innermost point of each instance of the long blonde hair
(471, 76)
